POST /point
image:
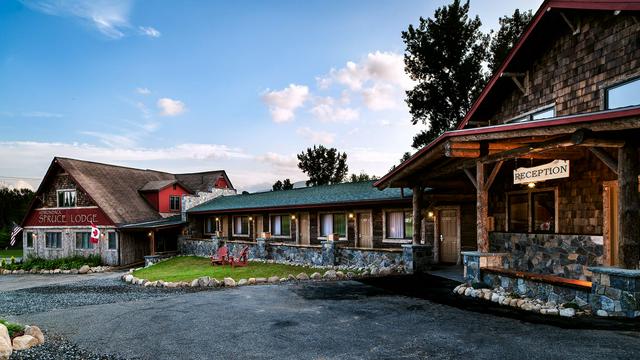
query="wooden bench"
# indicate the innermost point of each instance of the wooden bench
(547, 279)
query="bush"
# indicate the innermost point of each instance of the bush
(14, 329)
(73, 262)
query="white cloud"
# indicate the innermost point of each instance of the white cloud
(283, 103)
(16, 184)
(149, 31)
(143, 91)
(321, 137)
(380, 97)
(326, 110)
(170, 107)
(112, 140)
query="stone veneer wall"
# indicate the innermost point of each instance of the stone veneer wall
(561, 255)
(68, 244)
(350, 256)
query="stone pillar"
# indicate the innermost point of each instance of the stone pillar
(474, 261)
(215, 243)
(261, 252)
(629, 206)
(328, 253)
(416, 258)
(417, 215)
(615, 292)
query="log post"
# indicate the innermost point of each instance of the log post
(628, 206)
(417, 215)
(482, 206)
(152, 238)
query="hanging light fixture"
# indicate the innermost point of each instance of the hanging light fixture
(531, 185)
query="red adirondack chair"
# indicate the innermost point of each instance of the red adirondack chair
(221, 257)
(242, 259)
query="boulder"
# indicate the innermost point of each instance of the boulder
(316, 276)
(242, 282)
(261, 280)
(468, 291)
(350, 275)
(291, 277)
(57, 271)
(506, 301)
(74, 271)
(513, 302)
(229, 282)
(374, 271)
(35, 332)
(552, 311)
(273, 279)
(213, 283)
(495, 298)
(487, 295)
(66, 272)
(520, 302)
(461, 290)
(24, 342)
(527, 306)
(195, 283)
(251, 281)
(84, 269)
(602, 313)
(330, 275)
(340, 275)
(283, 280)
(568, 312)
(203, 281)
(128, 278)
(302, 276)
(5, 343)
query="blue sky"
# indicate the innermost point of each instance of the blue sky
(202, 85)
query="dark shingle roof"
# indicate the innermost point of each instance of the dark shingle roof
(346, 193)
(203, 181)
(156, 185)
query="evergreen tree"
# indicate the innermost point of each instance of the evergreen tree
(323, 166)
(362, 177)
(511, 28)
(277, 186)
(444, 55)
(287, 185)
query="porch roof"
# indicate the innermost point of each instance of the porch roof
(453, 150)
(360, 193)
(167, 222)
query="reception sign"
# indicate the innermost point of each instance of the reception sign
(554, 170)
(67, 217)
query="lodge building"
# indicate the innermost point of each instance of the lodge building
(550, 152)
(137, 211)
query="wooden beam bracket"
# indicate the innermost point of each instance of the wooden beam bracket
(471, 177)
(575, 29)
(606, 158)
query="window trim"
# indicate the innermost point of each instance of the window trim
(171, 197)
(218, 225)
(46, 246)
(611, 86)
(529, 192)
(346, 224)
(58, 191)
(529, 114)
(385, 239)
(271, 230)
(29, 234)
(116, 238)
(233, 226)
(91, 245)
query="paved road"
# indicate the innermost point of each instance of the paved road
(338, 320)
(17, 282)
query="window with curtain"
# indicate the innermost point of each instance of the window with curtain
(113, 242)
(211, 225)
(241, 225)
(280, 225)
(333, 223)
(53, 240)
(399, 225)
(82, 240)
(66, 198)
(174, 203)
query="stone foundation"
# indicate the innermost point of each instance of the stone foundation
(615, 292)
(539, 290)
(567, 256)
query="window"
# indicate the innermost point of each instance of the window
(66, 198)
(623, 95)
(174, 203)
(333, 224)
(544, 113)
(53, 240)
(82, 240)
(113, 240)
(30, 237)
(533, 211)
(212, 225)
(399, 225)
(241, 225)
(280, 225)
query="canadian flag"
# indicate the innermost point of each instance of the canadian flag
(95, 234)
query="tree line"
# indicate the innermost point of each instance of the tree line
(14, 205)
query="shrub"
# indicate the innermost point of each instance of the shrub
(73, 262)
(14, 329)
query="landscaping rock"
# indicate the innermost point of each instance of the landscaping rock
(467, 291)
(302, 276)
(568, 312)
(56, 271)
(5, 343)
(291, 277)
(251, 281)
(495, 297)
(24, 342)
(194, 283)
(330, 275)
(242, 282)
(385, 272)
(273, 279)
(340, 275)
(552, 311)
(84, 269)
(213, 283)
(229, 282)
(128, 278)
(602, 313)
(350, 275)
(261, 280)
(203, 281)
(35, 332)
(316, 276)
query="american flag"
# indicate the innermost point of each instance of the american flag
(16, 230)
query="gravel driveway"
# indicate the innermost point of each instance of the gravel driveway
(314, 320)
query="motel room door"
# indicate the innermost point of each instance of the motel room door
(610, 215)
(304, 229)
(449, 237)
(365, 236)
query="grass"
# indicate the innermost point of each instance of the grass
(10, 252)
(14, 329)
(187, 268)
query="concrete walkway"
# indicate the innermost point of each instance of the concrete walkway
(27, 281)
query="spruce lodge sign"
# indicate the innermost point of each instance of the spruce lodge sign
(554, 170)
(67, 217)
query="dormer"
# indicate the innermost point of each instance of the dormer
(165, 196)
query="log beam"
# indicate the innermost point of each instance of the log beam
(606, 158)
(492, 176)
(471, 177)
(629, 207)
(482, 206)
(417, 215)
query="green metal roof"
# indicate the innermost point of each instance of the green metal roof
(153, 224)
(345, 193)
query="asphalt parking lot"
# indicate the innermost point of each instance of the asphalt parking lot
(381, 319)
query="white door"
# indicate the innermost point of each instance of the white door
(365, 238)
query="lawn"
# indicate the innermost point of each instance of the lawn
(11, 252)
(187, 268)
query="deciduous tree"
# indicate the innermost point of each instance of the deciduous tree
(322, 165)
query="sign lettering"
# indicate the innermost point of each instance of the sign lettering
(554, 170)
(67, 217)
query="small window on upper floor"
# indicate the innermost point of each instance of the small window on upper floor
(539, 114)
(66, 198)
(174, 203)
(623, 95)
